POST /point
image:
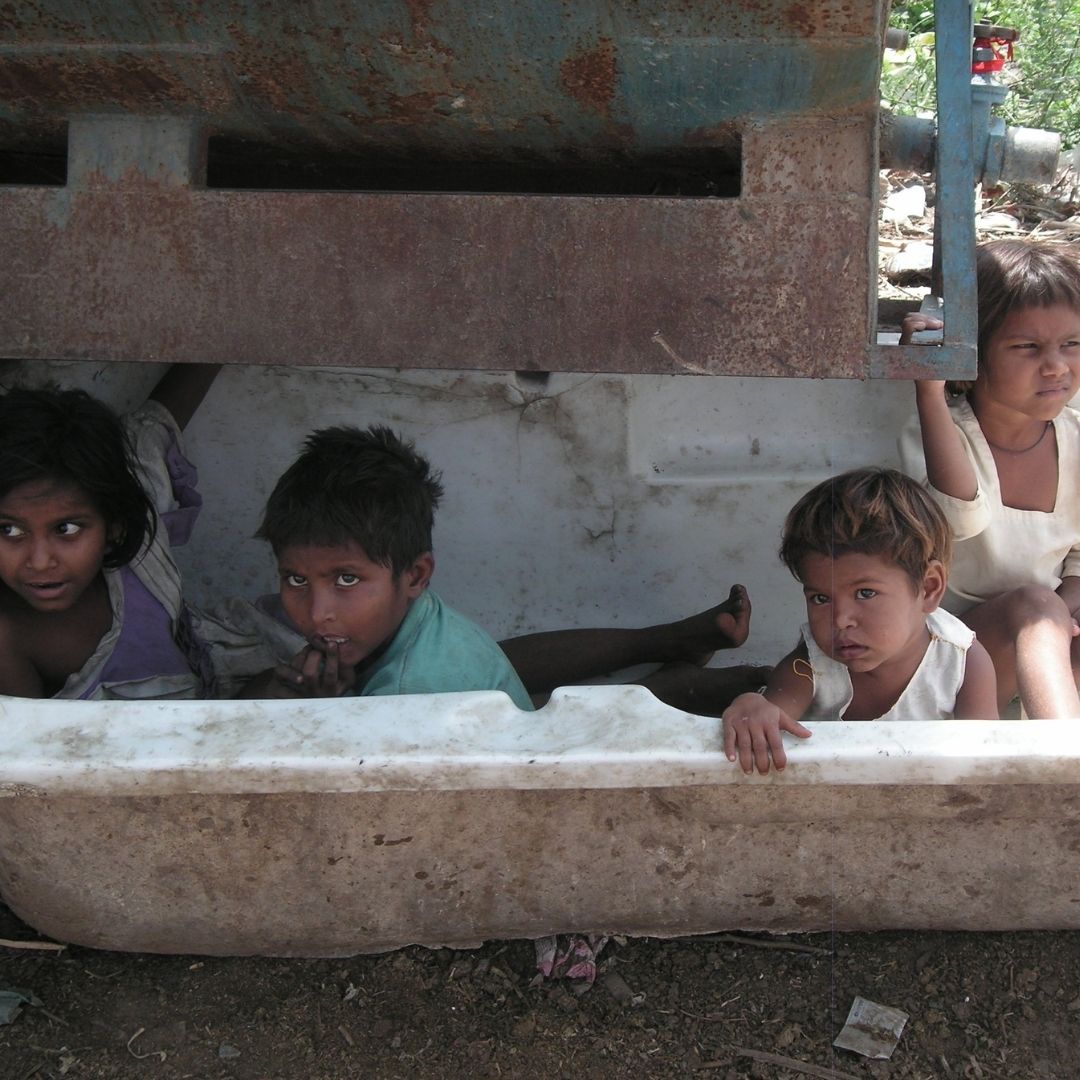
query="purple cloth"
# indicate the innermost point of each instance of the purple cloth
(150, 642)
(180, 521)
(146, 646)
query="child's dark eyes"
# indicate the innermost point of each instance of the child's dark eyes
(348, 580)
(295, 581)
(1033, 346)
(65, 528)
(817, 599)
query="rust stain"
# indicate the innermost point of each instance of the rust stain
(279, 76)
(726, 134)
(409, 109)
(800, 18)
(419, 16)
(589, 77)
(133, 82)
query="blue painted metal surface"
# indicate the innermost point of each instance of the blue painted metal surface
(532, 78)
(955, 213)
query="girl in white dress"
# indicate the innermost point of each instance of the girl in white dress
(1001, 457)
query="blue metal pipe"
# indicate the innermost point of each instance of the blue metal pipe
(955, 212)
(957, 357)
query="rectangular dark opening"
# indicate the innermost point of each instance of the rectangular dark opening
(697, 172)
(36, 165)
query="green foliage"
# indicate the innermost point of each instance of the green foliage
(916, 16)
(907, 79)
(1044, 77)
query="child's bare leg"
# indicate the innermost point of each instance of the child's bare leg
(1029, 635)
(702, 690)
(696, 638)
(557, 657)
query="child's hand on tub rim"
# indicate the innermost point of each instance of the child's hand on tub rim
(752, 733)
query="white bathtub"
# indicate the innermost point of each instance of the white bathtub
(332, 828)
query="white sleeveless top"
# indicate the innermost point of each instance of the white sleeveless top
(1000, 547)
(931, 694)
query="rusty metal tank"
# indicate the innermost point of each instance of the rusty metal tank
(619, 186)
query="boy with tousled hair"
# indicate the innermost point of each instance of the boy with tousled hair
(871, 549)
(350, 486)
(350, 524)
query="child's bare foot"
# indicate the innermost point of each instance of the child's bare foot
(702, 690)
(725, 626)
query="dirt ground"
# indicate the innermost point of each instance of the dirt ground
(981, 1006)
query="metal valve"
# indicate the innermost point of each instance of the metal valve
(1027, 155)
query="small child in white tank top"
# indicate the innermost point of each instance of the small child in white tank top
(871, 549)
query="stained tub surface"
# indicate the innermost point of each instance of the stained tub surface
(333, 828)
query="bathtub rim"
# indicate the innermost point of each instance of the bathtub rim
(585, 737)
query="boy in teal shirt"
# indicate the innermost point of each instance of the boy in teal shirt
(350, 524)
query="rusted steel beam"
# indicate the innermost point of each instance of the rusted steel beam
(133, 260)
(954, 361)
(157, 272)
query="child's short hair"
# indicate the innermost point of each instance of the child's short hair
(870, 511)
(369, 488)
(69, 437)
